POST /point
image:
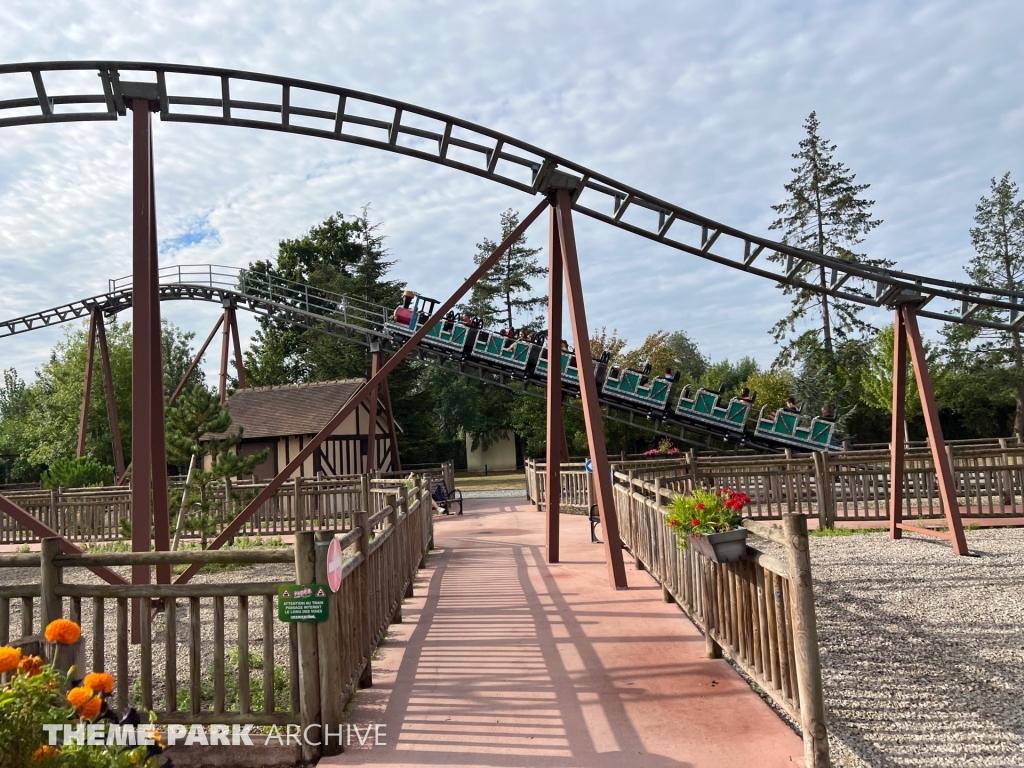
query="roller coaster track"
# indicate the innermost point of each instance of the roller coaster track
(339, 316)
(204, 95)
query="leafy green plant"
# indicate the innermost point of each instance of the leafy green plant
(83, 472)
(34, 696)
(704, 512)
(257, 698)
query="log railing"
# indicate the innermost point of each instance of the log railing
(97, 515)
(759, 610)
(254, 669)
(851, 485)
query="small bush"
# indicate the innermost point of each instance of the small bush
(84, 472)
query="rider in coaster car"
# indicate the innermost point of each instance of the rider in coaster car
(745, 396)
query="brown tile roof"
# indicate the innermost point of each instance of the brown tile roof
(288, 409)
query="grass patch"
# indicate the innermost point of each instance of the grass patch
(375, 656)
(829, 532)
(243, 542)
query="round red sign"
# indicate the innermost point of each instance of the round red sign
(334, 565)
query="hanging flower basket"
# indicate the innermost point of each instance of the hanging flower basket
(710, 521)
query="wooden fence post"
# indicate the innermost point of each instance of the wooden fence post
(51, 606)
(328, 643)
(300, 521)
(362, 583)
(823, 481)
(805, 641)
(309, 657)
(403, 503)
(391, 500)
(711, 647)
(365, 495)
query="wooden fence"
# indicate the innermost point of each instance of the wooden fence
(255, 670)
(851, 485)
(759, 610)
(318, 503)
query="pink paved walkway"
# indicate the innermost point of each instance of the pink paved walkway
(504, 660)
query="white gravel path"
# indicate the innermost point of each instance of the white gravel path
(922, 651)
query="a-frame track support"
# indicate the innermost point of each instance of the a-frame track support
(907, 333)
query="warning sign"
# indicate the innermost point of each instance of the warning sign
(302, 602)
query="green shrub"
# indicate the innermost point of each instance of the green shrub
(84, 472)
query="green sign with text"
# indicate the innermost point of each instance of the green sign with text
(302, 602)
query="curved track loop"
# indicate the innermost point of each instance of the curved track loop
(222, 97)
(342, 317)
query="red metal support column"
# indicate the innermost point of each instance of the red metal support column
(158, 418)
(142, 343)
(83, 418)
(239, 364)
(108, 389)
(371, 418)
(396, 460)
(357, 397)
(899, 406)
(196, 360)
(588, 389)
(224, 350)
(556, 431)
(947, 488)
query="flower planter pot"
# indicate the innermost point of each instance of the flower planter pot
(725, 547)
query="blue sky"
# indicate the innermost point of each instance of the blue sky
(700, 103)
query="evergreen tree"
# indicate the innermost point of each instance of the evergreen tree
(506, 292)
(198, 414)
(825, 213)
(998, 240)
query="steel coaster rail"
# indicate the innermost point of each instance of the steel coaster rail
(203, 95)
(337, 315)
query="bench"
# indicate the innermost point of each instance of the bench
(444, 498)
(595, 520)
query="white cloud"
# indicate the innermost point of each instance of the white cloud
(698, 103)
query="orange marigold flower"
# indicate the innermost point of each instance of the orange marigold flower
(31, 666)
(100, 682)
(91, 708)
(9, 658)
(80, 696)
(63, 631)
(44, 753)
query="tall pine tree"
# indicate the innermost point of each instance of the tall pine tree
(505, 294)
(998, 240)
(825, 213)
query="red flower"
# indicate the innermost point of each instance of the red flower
(673, 522)
(695, 523)
(700, 506)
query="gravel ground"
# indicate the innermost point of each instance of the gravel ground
(494, 493)
(255, 573)
(922, 651)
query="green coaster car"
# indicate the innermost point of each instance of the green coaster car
(785, 426)
(570, 371)
(516, 354)
(636, 388)
(705, 406)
